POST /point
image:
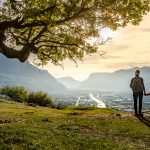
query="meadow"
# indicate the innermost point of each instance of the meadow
(25, 127)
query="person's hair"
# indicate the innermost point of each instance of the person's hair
(137, 71)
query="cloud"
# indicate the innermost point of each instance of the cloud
(146, 30)
(112, 57)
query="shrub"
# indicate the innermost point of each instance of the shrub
(40, 98)
(18, 94)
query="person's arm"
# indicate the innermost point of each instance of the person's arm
(143, 84)
(131, 83)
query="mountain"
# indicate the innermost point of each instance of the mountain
(13, 72)
(69, 82)
(119, 80)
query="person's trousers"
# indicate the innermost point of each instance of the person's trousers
(136, 96)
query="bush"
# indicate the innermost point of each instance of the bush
(18, 94)
(40, 98)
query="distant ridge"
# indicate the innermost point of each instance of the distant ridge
(69, 82)
(118, 80)
(12, 72)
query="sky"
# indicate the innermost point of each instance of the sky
(129, 48)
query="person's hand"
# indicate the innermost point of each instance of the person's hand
(146, 94)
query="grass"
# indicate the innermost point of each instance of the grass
(77, 128)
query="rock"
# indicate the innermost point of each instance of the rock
(118, 115)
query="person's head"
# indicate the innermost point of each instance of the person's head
(137, 73)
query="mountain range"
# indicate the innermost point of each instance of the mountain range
(15, 73)
(118, 80)
(69, 82)
(12, 72)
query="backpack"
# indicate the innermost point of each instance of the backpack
(137, 85)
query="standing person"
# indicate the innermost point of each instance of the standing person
(137, 86)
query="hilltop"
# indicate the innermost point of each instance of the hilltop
(76, 128)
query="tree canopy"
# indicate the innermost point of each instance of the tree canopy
(54, 30)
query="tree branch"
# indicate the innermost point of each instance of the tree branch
(56, 42)
(41, 12)
(39, 35)
(8, 24)
(22, 55)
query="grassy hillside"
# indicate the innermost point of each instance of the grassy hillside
(82, 128)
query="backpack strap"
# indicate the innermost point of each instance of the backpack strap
(142, 84)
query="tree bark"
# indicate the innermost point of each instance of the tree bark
(22, 54)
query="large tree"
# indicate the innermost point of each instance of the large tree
(54, 30)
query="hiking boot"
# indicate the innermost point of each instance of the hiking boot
(135, 114)
(141, 115)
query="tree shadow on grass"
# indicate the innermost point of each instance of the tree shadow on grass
(145, 120)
